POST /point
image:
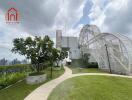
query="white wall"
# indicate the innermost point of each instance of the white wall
(72, 43)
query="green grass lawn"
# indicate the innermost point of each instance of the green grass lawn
(93, 88)
(76, 70)
(20, 90)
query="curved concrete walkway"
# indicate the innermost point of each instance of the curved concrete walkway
(42, 92)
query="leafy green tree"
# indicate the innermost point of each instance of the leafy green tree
(64, 53)
(56, 56)
(38, 50)
(59, 55)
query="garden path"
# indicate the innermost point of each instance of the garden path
(42, 92)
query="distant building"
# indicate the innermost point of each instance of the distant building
(68, 42)
(58, 38)
(3, 61)
(72, 44)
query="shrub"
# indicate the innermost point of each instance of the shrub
(92, 65)
(36, 73)
(80, 63)
(14, 68)
(9, 79)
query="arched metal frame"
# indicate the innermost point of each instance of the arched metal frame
(110, 50)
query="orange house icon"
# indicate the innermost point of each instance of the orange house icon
(12, 15)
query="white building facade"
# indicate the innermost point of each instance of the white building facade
(68, 42)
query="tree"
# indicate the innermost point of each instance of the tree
(56, 56)
(64, 52)
(38, 50)
(59, 55)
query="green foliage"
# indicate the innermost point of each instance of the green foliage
(64, 52)
(36, 73)
(92, 65)
(21, 89)
(84, 62)
(55, 55)
(63, 55)
(24, 67)
(80, 63)
(58, 55)
(9, 79)
(39, 50)
(76, 70)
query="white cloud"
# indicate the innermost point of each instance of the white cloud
(7, 33)
(75, 32)
(70, 13)
(38, 18)
(114, 17)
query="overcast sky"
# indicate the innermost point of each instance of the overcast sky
(41, 17)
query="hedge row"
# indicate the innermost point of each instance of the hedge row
(14, 68)
(80, 63)
(92, 65)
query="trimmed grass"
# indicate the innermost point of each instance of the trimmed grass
(93, 88)
(76, 70)
(20, 90)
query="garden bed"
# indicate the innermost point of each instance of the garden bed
(21, 89)
(9, 79)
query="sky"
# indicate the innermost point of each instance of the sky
(44, 17)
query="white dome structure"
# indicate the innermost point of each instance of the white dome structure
(112, 51)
